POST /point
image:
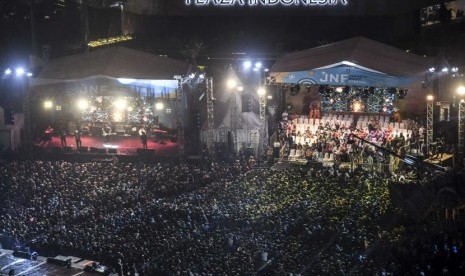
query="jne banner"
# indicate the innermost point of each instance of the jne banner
(344, 75)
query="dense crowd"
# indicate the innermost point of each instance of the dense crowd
(206, 220)
(343, 140)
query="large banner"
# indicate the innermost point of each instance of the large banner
(343, 75)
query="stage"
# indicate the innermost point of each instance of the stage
(117, 144)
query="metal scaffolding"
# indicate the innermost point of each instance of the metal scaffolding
(179, 111)
(263, 129)
(461, 130)
(210, 115)
(429, 124)
(234, 121)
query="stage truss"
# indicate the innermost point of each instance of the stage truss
(210, 114)
(429, 124)
(461, 127)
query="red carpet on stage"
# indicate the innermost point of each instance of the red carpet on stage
(127, 145)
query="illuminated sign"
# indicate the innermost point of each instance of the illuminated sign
(262, 3)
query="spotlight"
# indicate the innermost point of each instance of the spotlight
(117, 116)
(8, 71)
(247, 64)
(258, 65)
(266, 70)
(445, 70)
(461, 90)
(231, 83)
(29, 74)
(269, 97)
(455, 69)
(429, 97)
(159, 106)
(339, 89)
(240, 88)
(130, 108)
(201, 76)
(261, 91)
(432, 69)
(19, 71)
(48, 104)
(121, 104)
(83, 104)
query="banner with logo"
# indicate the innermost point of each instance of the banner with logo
(343, 75)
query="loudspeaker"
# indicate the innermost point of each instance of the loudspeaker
(67, 149)
(112, 151)
(93, 150)
(22, 254)
(59, 262)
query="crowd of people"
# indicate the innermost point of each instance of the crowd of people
(346, 142)
(213, 219)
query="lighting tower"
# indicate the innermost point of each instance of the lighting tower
(263, 132)
(429, 121)
(210, 115)
(461, 121)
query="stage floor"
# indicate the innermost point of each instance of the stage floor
(124, 145)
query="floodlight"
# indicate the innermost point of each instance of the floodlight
(159, 106)
(120, 104)
(432, 69)
(48, 104)
(261, 91)
(240, 88)
(445, 70)
(83, 104)
(461, 90)
(8, 71)
(117, 116)
(247, 64)
(231, 83)
(258, 65)
(430, 97)
(19, 71)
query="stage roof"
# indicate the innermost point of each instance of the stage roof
(364, 52)
(116, 62)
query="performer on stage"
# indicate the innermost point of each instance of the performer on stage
(77, 137)
(63, 137)
(48, 134)
(143, 138)
(106, 132)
